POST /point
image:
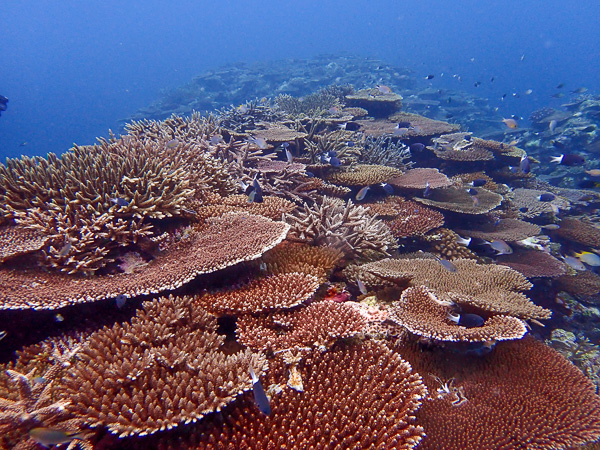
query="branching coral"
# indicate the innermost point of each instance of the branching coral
(345, 226)
(162, 369)
(384, 151)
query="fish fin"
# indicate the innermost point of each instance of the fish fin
(556, 159)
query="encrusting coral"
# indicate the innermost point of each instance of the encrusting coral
(162, 369)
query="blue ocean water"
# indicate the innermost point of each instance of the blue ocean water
(72, 69)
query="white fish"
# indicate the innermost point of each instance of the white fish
(573, 262)
(552, 126)
(501, 247)
(361, 287)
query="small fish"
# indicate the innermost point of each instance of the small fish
(580, 90)
(119, 201)
(361, 287)
(342, 126)
(403, 124)
(570, 159)
(389, 190)
(467, 320)
(216, 139)
(525, 164)
(362, 193)
(447, 265)
(522, 57)
(593, 172)
(49, 436)
(350, 144)
(573, 262)
(59, 318)
(417, 147)
(510, 123)
(472, 191)
(39, 380)
(23, 144)
(427, 191)
(552, 126)
(501, 247)
(560, 86)
(400, 131)
(244, 186)
(492, 80)
(551, 226)
(429, 77)
(463, 241)
(259, 142)
(120, 300)
(546, 197)
(589, 258)
(475, 200)
(477, 84)
(383, 89)
(478, 182)
(558, 95)
(172, 143)
(64, 251)
(260, 396)
(333, 110)
(529, 92)
(243, 109)
(2, 335)
(255, 197)
(334, 161)
(558, 144)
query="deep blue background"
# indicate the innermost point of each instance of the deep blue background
(71, 69)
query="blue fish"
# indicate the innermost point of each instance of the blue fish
(417, 146)
(119, 201)
(260, 396)
(427, 191)
(334, 161)
(472, 191)
(478, 182)
(389, 190)
(546, 197)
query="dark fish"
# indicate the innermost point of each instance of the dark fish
(560, 86)
(417, 146)
(467, 138)
(120, 300)
(3, 102)
(525, 164)
(331, 153)
(470, 320)
(569, 159)
(472, 191)
(427, 190)
(389, 190)
(546, 197)
(310, 174)
(477, 84)
(429, 77)
(350, 144)
(478, 182)
(559, 144)
(403, 124)
(260, 396)
(449, 101)
(352, 126)
(362, 193)
(524, 209)
(119, 201)
(492, 80)
(558, 95)
(335, 162)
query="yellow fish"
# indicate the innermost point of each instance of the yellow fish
(510, 123)
(589, 258)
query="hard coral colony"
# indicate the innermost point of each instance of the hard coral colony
(294, 248)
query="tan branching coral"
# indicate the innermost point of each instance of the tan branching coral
(493, 288)
(191, 129)
(446, 243)
(526, 202)
(420, 178)
(385, 152)
(162, 369)
(297, 257)
(548, 402)
(279, 291)
(223, 242)
(510, 230)
(362, 175)
(354, 397)
(318, 325)
(345, 226)
(414, 219)
(422, 313)
(460, 201)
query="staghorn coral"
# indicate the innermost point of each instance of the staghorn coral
(527, 203)
(579, 231)
(533, 263)
(92, 200)
(223, 242)
(492, 288)
(193, 129)
(16, 241)
(547, 401)
(297, 257)
(279, 291)
(334, 141)
(413, 219)
(384, 151)
(421, 177)
(422, 313)
(315, 104)
(460, 201)
(246, 117)
(162, 369)
(510, 230)
(318, 325)
(362, 175)
(354, 396)
(347, 227)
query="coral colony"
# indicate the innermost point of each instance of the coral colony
(329, 271)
